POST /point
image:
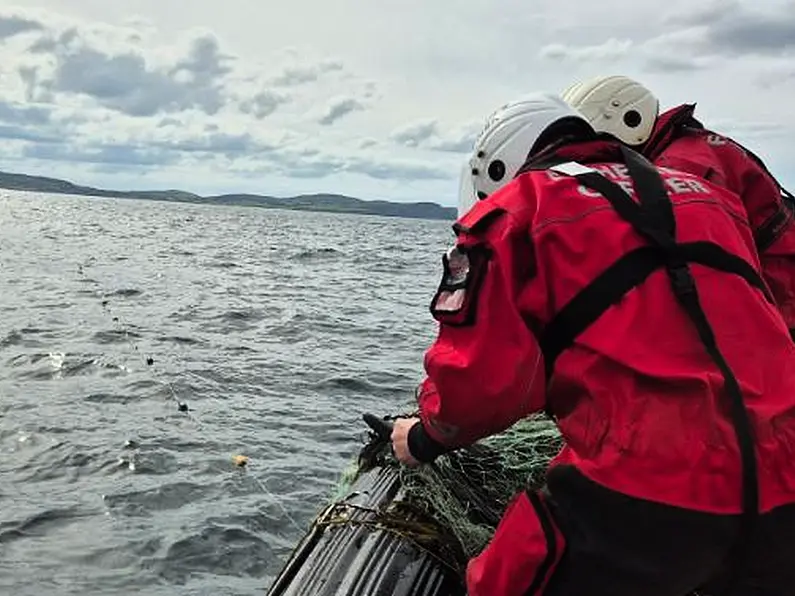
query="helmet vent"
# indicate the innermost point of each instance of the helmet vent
(632, 118)
(497, 170)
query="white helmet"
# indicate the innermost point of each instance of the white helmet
(617, 105)
(503, 146)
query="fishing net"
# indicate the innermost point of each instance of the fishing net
(462, 494)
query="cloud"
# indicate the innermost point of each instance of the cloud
(102, 95)
(13, 25)
(340, 103)
(659, 54)
(217, 142)
(263, 104)
(115, 154)
(385, 169)
(703, 14)
(758, 129)
(307, 73)
(22, 122)
(125, 79)
(338, 108)
(672, 64)
(694, 39)
(609, 50)
(23, 133)
(732, 29)
(416, 133)
(429, 134)
(25, 114)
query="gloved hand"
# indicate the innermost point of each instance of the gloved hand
(400, 440)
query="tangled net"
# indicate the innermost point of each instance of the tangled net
(464, 493)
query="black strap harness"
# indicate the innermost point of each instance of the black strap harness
(653, 218)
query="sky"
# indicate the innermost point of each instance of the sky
(377, 100)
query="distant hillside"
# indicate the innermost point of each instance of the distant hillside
(316, 202)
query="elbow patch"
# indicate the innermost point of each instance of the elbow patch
(455, 301)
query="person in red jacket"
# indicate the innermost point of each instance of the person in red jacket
(593, 286)
(628, 110)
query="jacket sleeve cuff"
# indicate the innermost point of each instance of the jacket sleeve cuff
(422, 446)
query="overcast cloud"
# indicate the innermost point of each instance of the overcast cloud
(372, 99)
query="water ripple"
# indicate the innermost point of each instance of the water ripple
(115, 310)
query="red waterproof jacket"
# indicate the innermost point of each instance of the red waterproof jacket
(679, 141)
(641, 405)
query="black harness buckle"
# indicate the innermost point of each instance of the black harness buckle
(682, 280)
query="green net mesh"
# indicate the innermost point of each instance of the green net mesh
(463, 494)
(467, 490)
